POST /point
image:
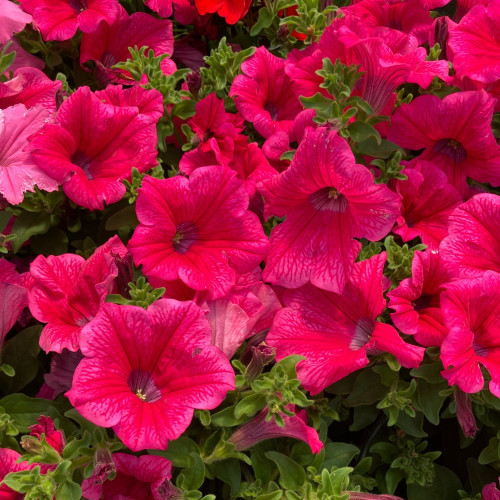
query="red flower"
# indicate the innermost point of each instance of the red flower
(231, 10)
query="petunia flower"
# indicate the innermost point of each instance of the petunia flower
(337, 332)
(455, 133)
(198, 230)
(136, 477)
(473, 244)
(257, 430)
(9, 463)
(162, 7)
(145, 372)
(231, 10)
(110, 43)
(59, 19)
(328, 200)
(18, 170)
(416, 300)
(23, 58)
(491, 491)
(93, 146)
(12, 20)
(427, 202)
(471, 310)
(264, 94)
(60, 377)
(54, 438)
(66, 291)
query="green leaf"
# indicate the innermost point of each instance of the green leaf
(264, 21)
(69, 491)
(27, 225)
(430, 400)
(250, 405)
(367, 390)
(360, 131)
(412, 425)
(488, 455)
(292, 475)
(53, 242)
(184, 109)
(123, 218)
(7, 369)
(430, 372)
(363, 416)
(192, 477)
(479, 475)
(226, 418)
(178, 451)
(392, 479)
(339, 455)
(444, 487)
(229, 471)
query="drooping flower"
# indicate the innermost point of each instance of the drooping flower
(110, 43)
(18, 170)
(328, 200)
(54, 438)
(491, 491)
(231, 10)
(257, 430)
(59, 19)
(473, 244)
(92, 146)
(337, 332)
(136, 477)
(465, 415)
(60, 377)
(471, 310)
(145, 372)
(31, 87)
(427, 202)
(264, 94)
(9, 463)
(417, 299)
(66, 291)
(198, 230)
(455, 134)
(12, 20)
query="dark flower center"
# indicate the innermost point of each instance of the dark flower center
(362, 333)
(108, 59)
(452, 148)
(81, 160)
(426, 301)
(78, 5)
(141, 383)
(186, 234)
(272, 109)
(480, 350)
(329, 199)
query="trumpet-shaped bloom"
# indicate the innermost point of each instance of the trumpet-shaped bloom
(163, 7)
(264, 94)
(428, 201)
(12, 20)
(328, 200)
(9, 463)
(93, 146)
(417, 299)
(143, 477)
(455, 134)
(66, 291)
(231, 10)
(145, 372)
(337, 332)
(471, 310)
(59, 19)
(473, 244)
(198, 230)
(18, 170)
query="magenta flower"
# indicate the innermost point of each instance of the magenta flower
(337, 332)
(198, 230)
(23, 58)
(62, 368)
(109, 43)
(18, 170)
(93, 146)
(474, 44)
(9, 463)
(145, 372)
(257, 430)
(31, 87)
(264, 94)
(417, 299)
(59, 19)
(490, 491)
(471, 310)
(162, 7)
(473, 244)
(455, 134)
(328, 200)
(12, 20)
(54, 438)
(427, 202)
(66, 291)
(136, 477)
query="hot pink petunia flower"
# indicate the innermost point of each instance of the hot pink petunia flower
(109, 44)
(18, 170)
(257, 430)
(474, 44)
(31, 87)
(59, 19)
(455, 134)
(62, 368)
(491, 491)
(473, 244)
(471, 310)
(337, 332)
(93, 146)
(264, 94)
(198, 230)
(54, 438)
(145, 372)
(66, 291)
(427, 202)
(9, 463)
(162, 7)
(328, 200)
(12, 20)
(417, 299)
(23, 58)
(141, 477)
